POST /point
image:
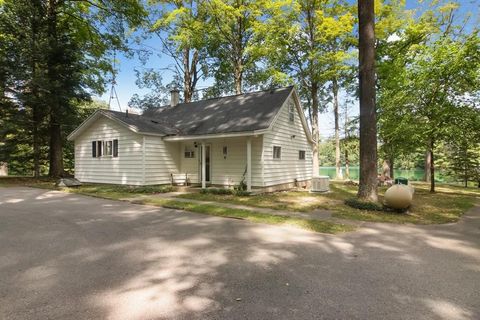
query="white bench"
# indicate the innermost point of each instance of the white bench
(179, 179)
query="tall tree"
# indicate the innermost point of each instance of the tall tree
(181, 33)
(338, 25)
(426, 74)
(67, 54)
(305, 41)
(367, 189)
(232, 27)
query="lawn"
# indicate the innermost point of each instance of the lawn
(444, 206)
(447, 205)
(146, 195)
(99, 190)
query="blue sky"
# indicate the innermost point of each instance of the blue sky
(126, 78)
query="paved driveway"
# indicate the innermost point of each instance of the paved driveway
(65, 256)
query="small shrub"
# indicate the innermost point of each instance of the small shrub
(364, 205)
(219, 191)
(151, 189)
(242, 186)
(242, 193)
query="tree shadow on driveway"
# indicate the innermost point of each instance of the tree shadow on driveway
(70, 256)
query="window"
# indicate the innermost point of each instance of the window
(291, 112)
(104, 148)
(108, 147)
(301, 155)
(189, 153)
(277, 152)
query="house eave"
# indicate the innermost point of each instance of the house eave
(215, 135)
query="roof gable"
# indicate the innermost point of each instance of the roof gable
(298, 107)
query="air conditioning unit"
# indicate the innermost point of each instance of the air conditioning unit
(320, 184)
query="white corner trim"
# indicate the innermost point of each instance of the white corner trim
(302, 117)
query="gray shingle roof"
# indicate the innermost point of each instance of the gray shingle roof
(141, 123)
(239, 113)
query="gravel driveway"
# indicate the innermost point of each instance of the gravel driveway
(66, 256)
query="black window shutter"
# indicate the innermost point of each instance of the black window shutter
(115, 148)
(94, 149)
(99, 143)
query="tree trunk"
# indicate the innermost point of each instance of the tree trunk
(428, 164)
(367, 189)
(238, 77)
(35, 99)
(238, 56)
(392, 171)
(36, 141)
(315, 132)
(386, 169)
(190, 73)
(347, 165)
(338, 174)
(432, 167)
(187, 78)
(56, 147)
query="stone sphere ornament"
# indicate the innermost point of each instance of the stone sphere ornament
(399, 196)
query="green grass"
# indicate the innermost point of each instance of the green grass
(44, 183)
(444, 206)
(118, 192)
(145, 195)
(253, 216)
(107, 190)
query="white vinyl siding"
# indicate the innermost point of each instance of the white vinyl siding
(124, 169)
(189, 165)
(161, 160)
(291, 137)
(230, 170)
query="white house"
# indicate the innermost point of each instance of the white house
(260, 138)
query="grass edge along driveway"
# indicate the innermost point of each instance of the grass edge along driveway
(146, 196)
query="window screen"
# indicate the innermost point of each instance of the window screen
(301, 155)
(108, 147)
(291, 112)
(277, 152)
(189, 153)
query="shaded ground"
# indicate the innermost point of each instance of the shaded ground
(444, 206)
(69, 256)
